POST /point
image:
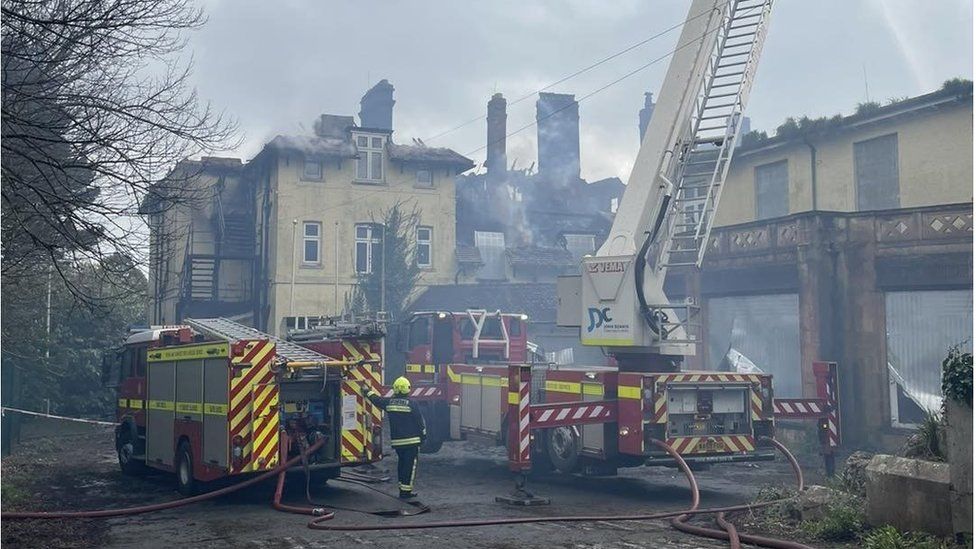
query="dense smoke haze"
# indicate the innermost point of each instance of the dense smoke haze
(276, 65)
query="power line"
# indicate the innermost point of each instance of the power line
(577, 73)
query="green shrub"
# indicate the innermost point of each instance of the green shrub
(887, 537)
(842, 522)
(957, 376)
(928, 440)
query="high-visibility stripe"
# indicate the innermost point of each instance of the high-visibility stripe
(135, 403)
(563, 387)
(123, 403)
(162, 405)
(189, 407)
(212, 409)
(624, 391)
(413, 368)
(189, 352)
(429, 368)
(513, 397)
(398, 408)
(454, 377)
(593, 389)
(404, 441)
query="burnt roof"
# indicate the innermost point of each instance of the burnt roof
(429, 155)
(539, 256)
(536, 299)
(468, 254)
(315, 146)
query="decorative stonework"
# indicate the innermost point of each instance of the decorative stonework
(749, 239)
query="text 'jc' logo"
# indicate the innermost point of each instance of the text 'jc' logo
(598, 317)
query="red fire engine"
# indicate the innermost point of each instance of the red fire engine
(212, 399)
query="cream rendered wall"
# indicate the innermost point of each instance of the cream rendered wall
(934, 166)
(338, 203)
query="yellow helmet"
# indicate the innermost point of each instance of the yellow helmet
(401, 386)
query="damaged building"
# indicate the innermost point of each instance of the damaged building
(518, 229)
(850, 240)
(286, 237)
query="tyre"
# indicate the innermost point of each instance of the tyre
(126, 448)
(185, 483)
(563, 445)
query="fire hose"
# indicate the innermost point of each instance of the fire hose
(679, 517)
(106, 513)
(322, 515)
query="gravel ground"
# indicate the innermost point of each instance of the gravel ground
(78, 471)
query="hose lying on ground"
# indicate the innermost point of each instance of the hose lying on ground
(105, 513)
(318, 522)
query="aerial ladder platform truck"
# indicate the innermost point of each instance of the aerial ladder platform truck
(471, 371)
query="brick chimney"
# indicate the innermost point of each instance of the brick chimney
(645, 114)
(557, 120)
(376, 107)
(497, 161)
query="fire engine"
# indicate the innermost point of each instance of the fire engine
(212, 399)
(469, 369)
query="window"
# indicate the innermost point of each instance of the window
(424, 244)
(920, 326)
(876, 172)
(425, 179)
(772, 190)
(580, 244)
(757, 334)
(311, 242)
(492, 248)
(419, 331)
(614, 204)
(368, 241)
(369, 166)
(312, 170)
(301, 322)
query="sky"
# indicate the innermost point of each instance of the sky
(275, 66)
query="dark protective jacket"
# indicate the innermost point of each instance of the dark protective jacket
(407, 425)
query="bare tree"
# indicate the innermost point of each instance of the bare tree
(96, 105)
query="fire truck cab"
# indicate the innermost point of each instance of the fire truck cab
(214, 399)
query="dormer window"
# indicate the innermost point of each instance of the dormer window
(369, 167)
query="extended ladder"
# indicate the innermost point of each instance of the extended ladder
(222, 328)
(704, 153)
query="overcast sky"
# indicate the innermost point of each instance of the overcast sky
(277, 65)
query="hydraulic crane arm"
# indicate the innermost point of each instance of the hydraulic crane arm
(673, 191)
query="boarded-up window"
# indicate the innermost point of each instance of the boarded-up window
(921, 326)
(492, 248)
(761, 332)
(772, 190)
(876, 173)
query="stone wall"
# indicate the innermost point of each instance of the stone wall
(960, 454)
(909, 494)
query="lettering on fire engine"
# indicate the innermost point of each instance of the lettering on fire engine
(606, 267)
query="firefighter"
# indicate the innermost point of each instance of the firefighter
(407, 432)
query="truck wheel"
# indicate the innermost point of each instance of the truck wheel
(126, 441)
(563, 445)
(185, 482)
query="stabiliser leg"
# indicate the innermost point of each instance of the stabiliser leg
(521, 496)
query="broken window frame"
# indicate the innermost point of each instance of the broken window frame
(491, 245)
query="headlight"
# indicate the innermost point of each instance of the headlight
(624, 431)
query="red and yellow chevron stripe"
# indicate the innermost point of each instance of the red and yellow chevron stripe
(356, 438)
(717, 444)
(660, 408)
(709, 377)
(756, 399)
(253, 410)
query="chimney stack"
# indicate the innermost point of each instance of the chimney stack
(645, 114)
(557, 120)
(376, 107)
(497, 161)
